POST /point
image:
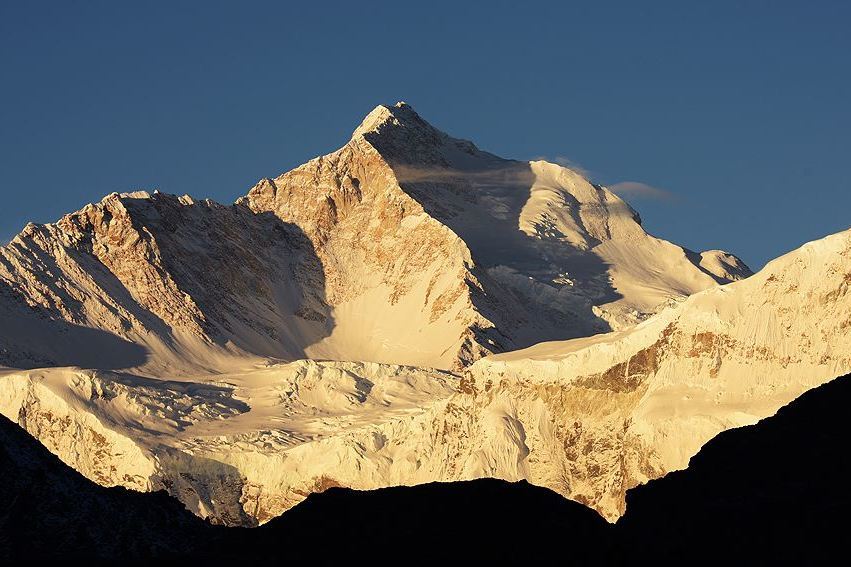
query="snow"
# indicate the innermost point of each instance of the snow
(724, 265)
(269, 427)
(361, 320)
(723, 358)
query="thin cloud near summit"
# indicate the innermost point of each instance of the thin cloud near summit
(632, 189)
(638, 190)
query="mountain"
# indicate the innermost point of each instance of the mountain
(588, 418)
(159, 282)
(593, 417)
(535, 252)
(747, 497)
(356, 322)
(405, 246)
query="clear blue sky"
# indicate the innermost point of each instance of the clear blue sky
(741, 110)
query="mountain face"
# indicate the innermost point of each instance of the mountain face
(745, 498)
(588, 418)
(406, 246)
(599, 415)
(360, 321)
(532, 250)
(160, 282)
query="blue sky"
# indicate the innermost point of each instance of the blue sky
(738, 112)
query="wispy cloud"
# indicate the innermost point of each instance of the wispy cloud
(518, 173)
(639, 190)
(511, 173)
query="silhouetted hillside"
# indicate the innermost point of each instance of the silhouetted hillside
(47, 509)
(482, 520)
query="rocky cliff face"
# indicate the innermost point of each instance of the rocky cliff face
(404, 287)
(193, 286)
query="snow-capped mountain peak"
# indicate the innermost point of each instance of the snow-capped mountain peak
(337, 325)
(400, 115)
